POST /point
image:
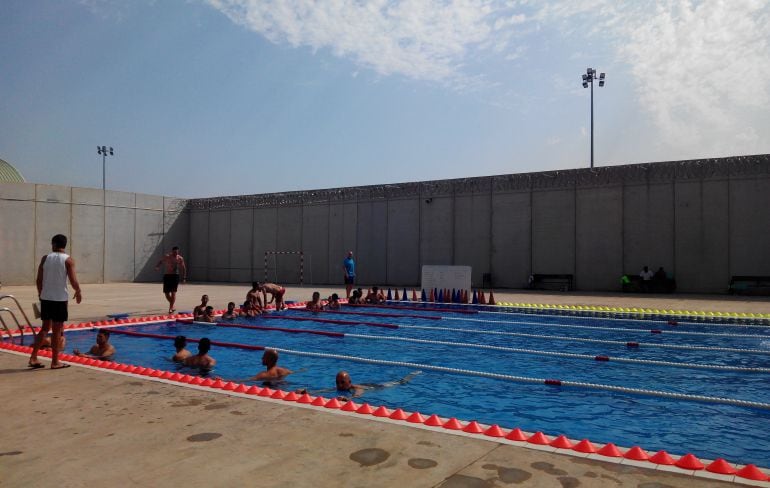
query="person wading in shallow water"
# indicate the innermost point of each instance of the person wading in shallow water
(52, 275)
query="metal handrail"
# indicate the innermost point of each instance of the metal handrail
(21, 329)
(5, 326)
(23, 313)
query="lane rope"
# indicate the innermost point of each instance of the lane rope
(614, 329)
(469, 372)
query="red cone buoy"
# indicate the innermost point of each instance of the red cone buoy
(207, 382)
(688, 461)
(433, 421)
(253, 390)
(266, 392)
(397, 297)
(305, 398)
(473, 428)
(381, 411)
(637, 454)
(432, 297)
(349, 406)
(196, 380)
(278, 395)
(561, 442)
(398, 414)
(494, 431)
(662, 457)
(156, 373)
(416, 418)
(584, 446)
(229, 386)
(610, 450)
(516, 435)
(720, 466)
(414, 295)
(365, 409)
(751, 472)
(319, 401)
(482, 300)
(290, 397)
(538, 438)
(491, 300)
(453, 424)
(240, 388)
(175, 377)
(333, 403)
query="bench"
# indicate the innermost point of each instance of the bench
(750, 285)
(561, 282)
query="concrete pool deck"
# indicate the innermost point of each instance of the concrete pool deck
(80, 426)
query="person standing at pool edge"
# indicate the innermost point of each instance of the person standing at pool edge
(350, 273)
(173, 264)
(52, 275)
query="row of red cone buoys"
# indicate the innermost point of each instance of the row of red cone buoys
(636, 453)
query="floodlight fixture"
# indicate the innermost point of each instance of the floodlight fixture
(588, 79)
(104, 152)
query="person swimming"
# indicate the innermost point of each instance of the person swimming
(180, 344)
(202, 360)
(273, 372)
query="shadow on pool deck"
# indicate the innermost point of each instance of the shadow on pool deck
(79, 426)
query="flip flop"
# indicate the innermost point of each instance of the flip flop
(62, 366)
(36, 365)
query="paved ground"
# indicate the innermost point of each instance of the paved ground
(79, 426)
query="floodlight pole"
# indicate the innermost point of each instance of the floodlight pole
(104, 151)
(588, 79)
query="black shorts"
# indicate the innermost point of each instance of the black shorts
(55, 311)
(170, 283)
(350, 280)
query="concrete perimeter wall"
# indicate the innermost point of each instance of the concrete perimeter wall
(113, 237)
(702, 220)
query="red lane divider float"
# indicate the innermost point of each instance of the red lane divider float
(330, 321)
(169, 337)
(281, 329)
(421, 309)
(373, 314)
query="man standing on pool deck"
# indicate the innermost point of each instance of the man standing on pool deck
(350, 272)
(173, 263)
(52, 275)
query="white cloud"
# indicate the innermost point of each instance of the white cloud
(701, 69)
(421, 39)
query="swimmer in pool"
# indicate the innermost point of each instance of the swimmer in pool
(314, 305)
(345, 386)
(180, 344)
(231, 312)
(202, 360)
(101, 350)
(276, 294)
(273, 372)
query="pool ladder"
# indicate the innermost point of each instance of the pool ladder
(13, 315)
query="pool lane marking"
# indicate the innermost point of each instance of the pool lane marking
(536, 352)
(614, 329)
(470, 372)
(370, 314)
(419, 309)
(628, 319)
(333, 321)
(522, 334)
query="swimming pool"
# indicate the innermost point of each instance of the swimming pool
(476, 364)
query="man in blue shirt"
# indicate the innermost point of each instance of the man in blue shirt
(350, 272)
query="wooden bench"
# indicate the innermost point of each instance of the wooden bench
(750, 285)
(561, 282)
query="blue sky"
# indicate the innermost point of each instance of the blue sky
(224, 97)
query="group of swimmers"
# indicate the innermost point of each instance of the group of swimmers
(275, 374)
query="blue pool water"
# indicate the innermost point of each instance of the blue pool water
(708, 430)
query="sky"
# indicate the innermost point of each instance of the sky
(227, 97)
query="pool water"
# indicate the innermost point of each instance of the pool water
(709, 430)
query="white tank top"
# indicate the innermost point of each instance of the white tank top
(55, 278)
